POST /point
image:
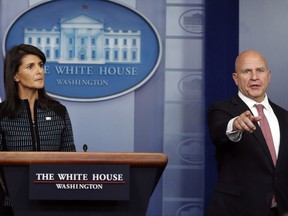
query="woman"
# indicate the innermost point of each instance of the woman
(30, 120)
(43, 123)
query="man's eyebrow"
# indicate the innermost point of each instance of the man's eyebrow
(261, 68)
(245, 69)
(258, 68)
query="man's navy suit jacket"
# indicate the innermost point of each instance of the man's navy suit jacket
(247, 178)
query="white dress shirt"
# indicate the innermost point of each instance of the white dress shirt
(236, 136)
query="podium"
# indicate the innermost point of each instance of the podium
(145, 170)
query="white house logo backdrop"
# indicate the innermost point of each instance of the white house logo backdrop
(95, 50)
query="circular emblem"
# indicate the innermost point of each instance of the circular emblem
(192, 21)
(95, 50)
(189, 210)
(191, 150)
(191, 86)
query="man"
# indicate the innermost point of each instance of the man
(252, 174)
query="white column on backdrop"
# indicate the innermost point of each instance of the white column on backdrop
(183, 111)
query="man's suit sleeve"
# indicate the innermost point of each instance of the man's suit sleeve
(218, 117)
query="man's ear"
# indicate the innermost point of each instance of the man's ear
(234, 76)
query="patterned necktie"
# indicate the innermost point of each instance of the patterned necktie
(264, 125)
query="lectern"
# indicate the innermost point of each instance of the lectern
(145, 170)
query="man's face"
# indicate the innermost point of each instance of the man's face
(252, 76)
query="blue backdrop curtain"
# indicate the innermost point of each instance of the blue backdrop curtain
(221, 48)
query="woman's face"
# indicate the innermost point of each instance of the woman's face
(30, 74)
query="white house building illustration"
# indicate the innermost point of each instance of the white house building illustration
(85, 40)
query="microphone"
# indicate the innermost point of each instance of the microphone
(85, 148)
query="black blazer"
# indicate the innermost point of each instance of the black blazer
(247, 178)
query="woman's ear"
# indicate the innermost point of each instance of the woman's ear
(16, 79)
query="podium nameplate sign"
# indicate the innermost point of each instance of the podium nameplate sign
(78, 182)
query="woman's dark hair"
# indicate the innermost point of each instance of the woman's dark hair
(12, 62)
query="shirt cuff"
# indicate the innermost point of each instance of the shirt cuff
(234, 136)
